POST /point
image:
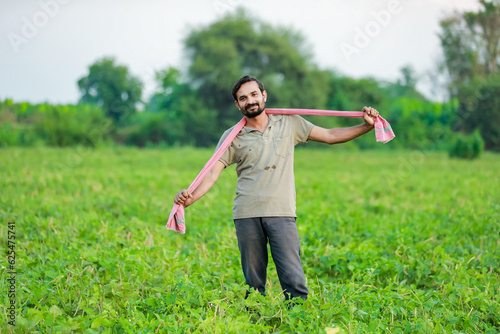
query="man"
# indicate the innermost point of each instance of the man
(264, 206)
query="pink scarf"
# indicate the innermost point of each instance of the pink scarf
(176, 220)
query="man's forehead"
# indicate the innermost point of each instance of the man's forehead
(247, 88)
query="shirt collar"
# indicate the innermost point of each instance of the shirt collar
(272, 120)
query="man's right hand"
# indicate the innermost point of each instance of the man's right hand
(184, 198)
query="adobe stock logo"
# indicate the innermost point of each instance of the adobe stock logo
(30, 28)
(372, 29)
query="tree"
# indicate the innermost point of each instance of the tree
(471, 47)
(111, 87)
(187, 118)
(479, 109)
(169, 88)
(470, 42)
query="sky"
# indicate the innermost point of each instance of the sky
(47, 45)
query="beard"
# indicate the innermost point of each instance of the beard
(254, 113)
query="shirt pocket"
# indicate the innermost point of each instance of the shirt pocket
(282, 146)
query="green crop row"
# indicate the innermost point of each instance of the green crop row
(392, 242)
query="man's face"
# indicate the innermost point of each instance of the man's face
(250, 100)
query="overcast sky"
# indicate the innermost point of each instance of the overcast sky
(47, 45)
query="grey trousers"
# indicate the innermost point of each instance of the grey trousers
(253, 235)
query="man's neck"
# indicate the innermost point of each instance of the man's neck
(259, 122)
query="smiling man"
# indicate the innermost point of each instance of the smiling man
(264, 206)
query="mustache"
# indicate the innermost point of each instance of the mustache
(251, 106)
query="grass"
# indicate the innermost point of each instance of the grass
(392, 242)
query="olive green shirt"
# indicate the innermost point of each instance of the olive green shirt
(264, 165)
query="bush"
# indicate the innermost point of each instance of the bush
(467, 147)
(8, 135)
(25, 124)
(73, 125)
(151, 129)
(13, 134)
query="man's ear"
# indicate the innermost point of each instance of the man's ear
(264, 94)
(237, 104)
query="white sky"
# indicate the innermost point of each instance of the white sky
(44, 63)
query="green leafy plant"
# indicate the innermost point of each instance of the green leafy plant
(391, 242)
(467, 147)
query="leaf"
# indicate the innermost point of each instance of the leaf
(55, 311)
(97, 322)
(362, 313)
(330, 330)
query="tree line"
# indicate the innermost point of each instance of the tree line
(193, 106)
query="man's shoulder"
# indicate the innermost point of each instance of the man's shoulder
(225, 135)
(293, 120)
(227, 132)
(286, 117)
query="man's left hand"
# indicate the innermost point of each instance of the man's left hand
(369, 115)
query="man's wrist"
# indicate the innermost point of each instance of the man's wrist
(369, 126)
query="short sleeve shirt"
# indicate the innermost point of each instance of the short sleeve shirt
(264, 165)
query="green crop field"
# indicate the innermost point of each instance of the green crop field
(392, 242)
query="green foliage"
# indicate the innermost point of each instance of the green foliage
(13, 134)
(24, 124)
(170, 89)
(421, 125)
(186, 118)
(471, 46)
(111, 87)
(73, 125)
(478, 109)
(409, 248)
(151, 129)
(467, 147)
(470, 43)
(352, 94)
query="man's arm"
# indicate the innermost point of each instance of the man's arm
(342, 135)
(186, 198)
